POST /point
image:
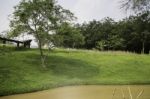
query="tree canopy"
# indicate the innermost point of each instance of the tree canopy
(68, 36)
(129, 34)
(39, 18)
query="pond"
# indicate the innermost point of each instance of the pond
(89, 92)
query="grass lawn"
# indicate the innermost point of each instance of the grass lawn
(20, 71)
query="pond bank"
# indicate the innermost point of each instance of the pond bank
(88, 92)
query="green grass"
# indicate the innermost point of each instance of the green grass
(20, 71)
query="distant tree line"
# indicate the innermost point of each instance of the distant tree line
(130, 34)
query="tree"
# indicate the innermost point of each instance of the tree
(136, 5)
(98, 33)
(91, 33)
(141, 27)
(129, 34)
(69, 36)
(39, 18)
(135, 32)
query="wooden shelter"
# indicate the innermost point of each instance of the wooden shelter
(25, 43)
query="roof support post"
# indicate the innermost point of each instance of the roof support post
(17, 44)
(4, 42)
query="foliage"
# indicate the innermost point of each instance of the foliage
(69, 36)
(129, 34)
(101, 33)
(39, 18)
(136, 5)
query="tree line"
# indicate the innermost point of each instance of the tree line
(130, 34)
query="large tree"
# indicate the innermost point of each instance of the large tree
(39, 18)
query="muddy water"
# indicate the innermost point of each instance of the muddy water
(87, 92)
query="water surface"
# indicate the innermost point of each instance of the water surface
(87, 92)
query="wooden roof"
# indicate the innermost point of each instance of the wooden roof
(16, 41)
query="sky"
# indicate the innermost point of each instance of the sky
(84, 10)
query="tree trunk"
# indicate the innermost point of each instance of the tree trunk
(41, 51)
(40, 48)
(42, 54)
(73, 45)
(4, 43)
(143, 47)
(17, 44)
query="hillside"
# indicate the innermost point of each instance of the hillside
(20, 71)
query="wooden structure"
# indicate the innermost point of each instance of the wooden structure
(26, 43)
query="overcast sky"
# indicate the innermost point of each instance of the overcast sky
(84, 10)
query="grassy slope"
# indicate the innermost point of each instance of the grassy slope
(21, 72)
